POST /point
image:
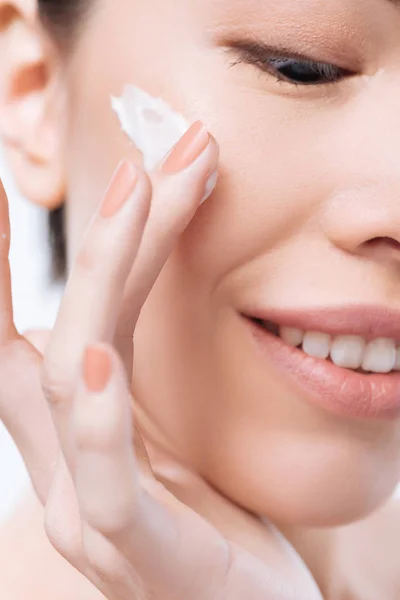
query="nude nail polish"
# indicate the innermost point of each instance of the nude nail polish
(189, 147)
(121, 187)
(96, 369)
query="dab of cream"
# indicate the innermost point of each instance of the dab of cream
(152, 125)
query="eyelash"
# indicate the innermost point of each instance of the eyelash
(314, 73)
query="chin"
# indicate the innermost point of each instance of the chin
(304, 482)
(295, 460)
(324, 507)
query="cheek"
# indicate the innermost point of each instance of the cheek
(268, 189)
(268, 181)
(274, 173)
(95, 141)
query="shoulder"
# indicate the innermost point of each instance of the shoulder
(29, 565)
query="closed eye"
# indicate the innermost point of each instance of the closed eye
(289, 67)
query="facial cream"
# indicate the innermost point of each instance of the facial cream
(152, 125)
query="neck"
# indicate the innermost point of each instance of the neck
(321, 552)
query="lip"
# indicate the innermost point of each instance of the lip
(368, 322)
(340, 391)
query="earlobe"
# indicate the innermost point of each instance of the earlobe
(31, 104)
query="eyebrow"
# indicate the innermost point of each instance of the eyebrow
(395, 3)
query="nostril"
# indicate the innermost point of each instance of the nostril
(384, 241)
(381, 249)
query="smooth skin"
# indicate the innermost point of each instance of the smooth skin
(105, 511)
(306, 214)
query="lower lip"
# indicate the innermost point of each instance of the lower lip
(340, 391)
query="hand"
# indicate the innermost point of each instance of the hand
(105, 511)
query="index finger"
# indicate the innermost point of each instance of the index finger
(94, 291)
(22, 407)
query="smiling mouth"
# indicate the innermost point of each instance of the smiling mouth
(351, 369)
(352, 352)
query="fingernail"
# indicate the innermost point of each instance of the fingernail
(96, 369)
(210, 186)
(189, 147)
(120, 189)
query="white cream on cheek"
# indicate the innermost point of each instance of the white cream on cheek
(152, 125)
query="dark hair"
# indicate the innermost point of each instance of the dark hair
(63, 18)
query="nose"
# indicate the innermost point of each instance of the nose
(362, 216)
(365, 220)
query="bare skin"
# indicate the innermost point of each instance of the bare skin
(305, 216)
(361, 563)
(111, 509)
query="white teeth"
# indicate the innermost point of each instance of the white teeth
(348, 351)
(316, 344)
(379, 356)
(397, 363)
(291, 336)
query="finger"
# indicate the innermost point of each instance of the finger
(180, 183)
(137, 516)
(22, 406)
(67, 533)
(170, 551)
(25, 413)
(39, 338)
(111, 499)
(94, 290)
(106, 472)
(94, 293)
(7, 327)
(62, 520)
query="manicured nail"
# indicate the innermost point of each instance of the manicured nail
(96, 369)
(189, 147)
(120, 189)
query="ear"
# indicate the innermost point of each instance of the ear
(31, 104)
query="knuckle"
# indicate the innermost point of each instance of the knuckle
(56, 384)
(101, 435)
(103, 560)
(91, 436)
(109, 523)
(95, 249)
(88, 255)
(103, 557)
(98, 252)
(63, 539)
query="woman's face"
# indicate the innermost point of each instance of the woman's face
(302, 230)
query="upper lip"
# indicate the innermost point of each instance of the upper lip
(369, 322)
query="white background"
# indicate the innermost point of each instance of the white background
(35, 305)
